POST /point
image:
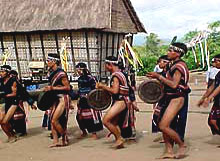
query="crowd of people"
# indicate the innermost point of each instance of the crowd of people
(169, 116)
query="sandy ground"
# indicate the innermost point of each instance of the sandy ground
(202, 146)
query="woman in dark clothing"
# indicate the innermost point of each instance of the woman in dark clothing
(89, 120)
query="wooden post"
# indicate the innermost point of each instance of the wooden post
(29, 45)
(107, 39)
(118, 45)
(100, 60)
(42, 46)
(57, 44)
(113, 44)
(72, 51)
(87, 49)
(2, 44)
(16, 54)
(132, 39)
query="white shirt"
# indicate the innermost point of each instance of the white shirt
(211, 73)
(157, 69)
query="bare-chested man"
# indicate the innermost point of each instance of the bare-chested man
(117, 115)
(176, 93)
(59, 116)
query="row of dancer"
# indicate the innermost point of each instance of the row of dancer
(88, 119)
(173, 106)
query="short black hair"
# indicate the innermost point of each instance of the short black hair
(181, 46)
(165, 57)
(113, 59)
(54, 55)
(7, 68)
(14, 72)
(217, 56)
(81, 65)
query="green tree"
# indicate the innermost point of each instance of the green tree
(152, 44)
(214, 25)
(154, 47)
(190, 35)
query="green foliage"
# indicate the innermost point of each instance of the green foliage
(149, 64)
(152, 44)
(190, 61)
(153, 48)
(214, 25)
(187, 37)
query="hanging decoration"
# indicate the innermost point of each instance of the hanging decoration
(127, 53)
(6, 55)
(63, 54)
(201, 41)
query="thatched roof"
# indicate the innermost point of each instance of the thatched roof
(43, 15)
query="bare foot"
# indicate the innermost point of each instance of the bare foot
(94, 136)
(167, 156)
(83, 135)
(181, 152)
(119, 143)
(158, 139)
(65, 140)
(12, 139)
(55, 145)
(108, 135)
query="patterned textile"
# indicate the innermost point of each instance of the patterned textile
(183, 87)
(87, 118)
(55, 79)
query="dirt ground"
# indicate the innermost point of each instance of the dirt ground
(202, 146)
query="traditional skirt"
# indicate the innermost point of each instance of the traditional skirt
(179, 122)
(87, 118)
(214, 115)
(64, 117)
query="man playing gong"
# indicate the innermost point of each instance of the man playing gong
(118, 113)
(176, 92)
(60, 85)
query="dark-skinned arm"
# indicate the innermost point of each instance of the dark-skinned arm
(114, 89)
(206, 94)
(14, 90)
(171, 83)
(65, 87)
(211, 97)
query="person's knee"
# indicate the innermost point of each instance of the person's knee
(4, 122)
(54, 122)
(212, 122)
(106, 121)
(61, 103)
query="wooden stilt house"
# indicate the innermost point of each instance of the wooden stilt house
(30, 29)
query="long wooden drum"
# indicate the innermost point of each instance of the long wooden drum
(150, 91)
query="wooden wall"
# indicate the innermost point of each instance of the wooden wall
(90, 47)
